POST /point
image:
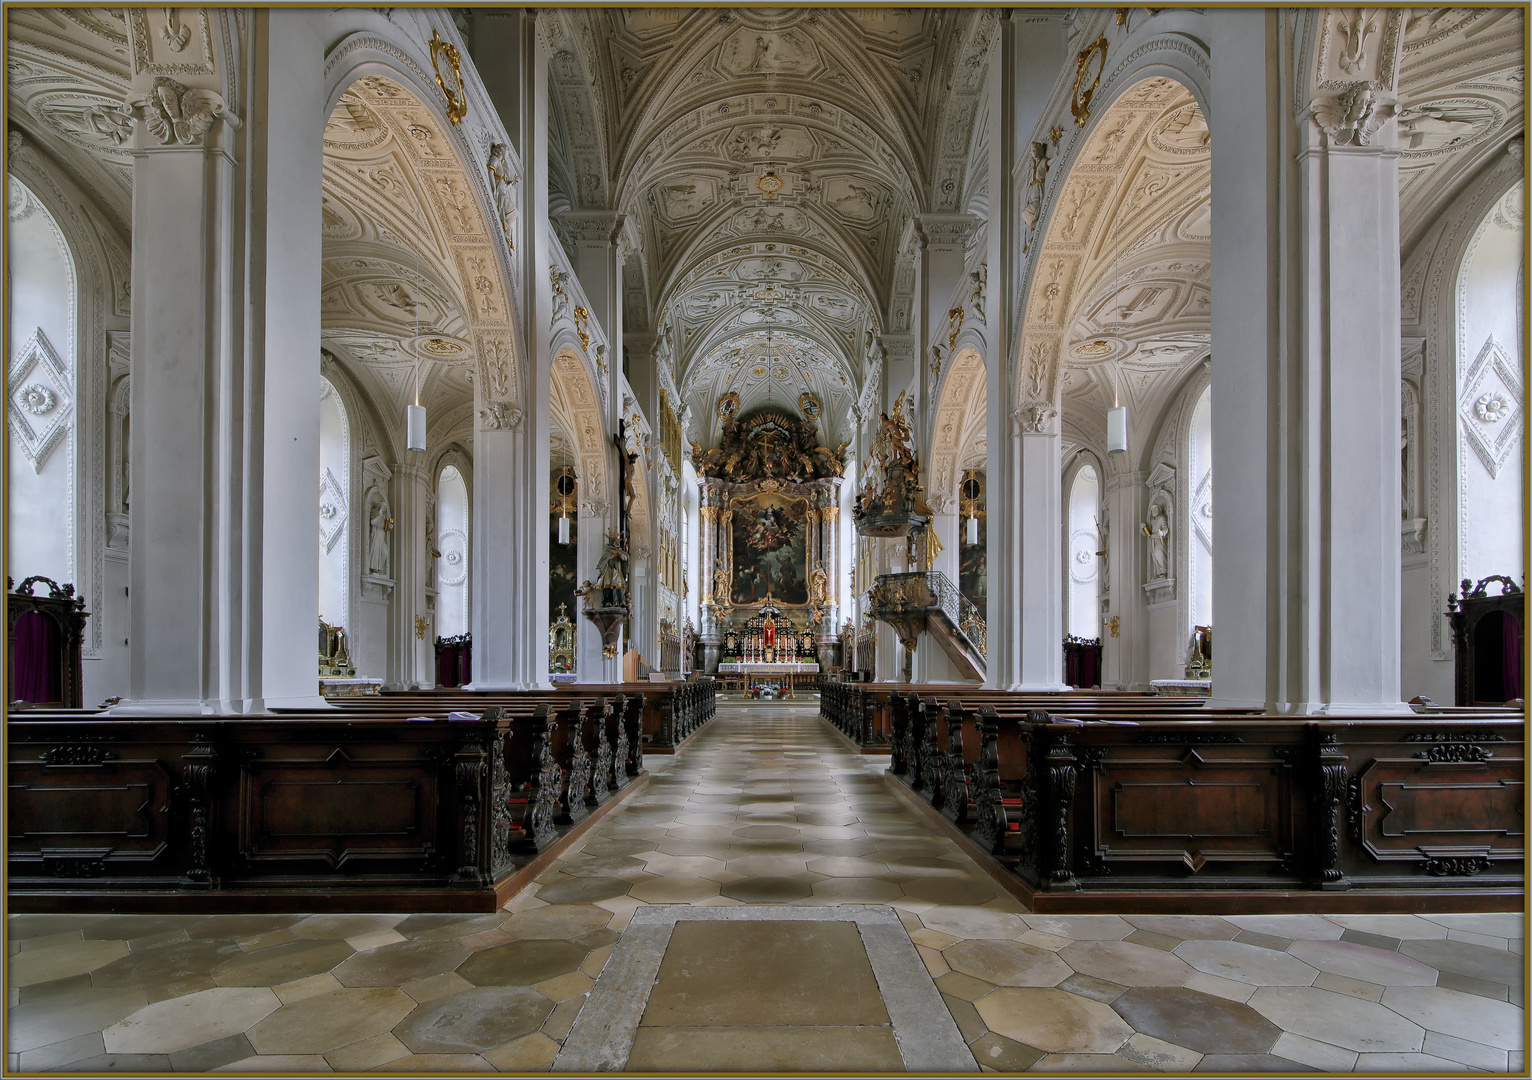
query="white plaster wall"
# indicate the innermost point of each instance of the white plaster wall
(41, 526)
(452, 541)
(1490, 505)
(1419, 673)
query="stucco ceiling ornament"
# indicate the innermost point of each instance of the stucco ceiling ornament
(39, 381)
(38, 399)
(332, 510)
(1490, 406)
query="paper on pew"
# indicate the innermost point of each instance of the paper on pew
(425, 718)
(463, 716)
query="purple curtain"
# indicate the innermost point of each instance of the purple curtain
(465, 664)
(447, 665)
(1089, 665)
(35, 660)
(1510, 657)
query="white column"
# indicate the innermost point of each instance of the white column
(511, 451)
(226, 326)
(410, 657)
(1305, 386)
(1246, 330)
(1002, 556)
(590, 665)
(597, 266)
(287, 121)
(1036, 516)
(1124, 658)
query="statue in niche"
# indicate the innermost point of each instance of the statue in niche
(818, 587)
(1157, 528)
(720, 582)
(378, 526)
(502, 183)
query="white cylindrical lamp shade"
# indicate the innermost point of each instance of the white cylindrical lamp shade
(415, 427)
(1117, 429)
(563, 528)
(973, 531)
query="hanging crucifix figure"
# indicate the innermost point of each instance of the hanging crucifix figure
(625, 477)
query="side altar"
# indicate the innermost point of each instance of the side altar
(770, 511)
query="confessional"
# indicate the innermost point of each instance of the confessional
(1082, 662)
(454, 660)
(1489, 633)
(45, 634)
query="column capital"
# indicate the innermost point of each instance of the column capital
(170, 115)
(945, 230)
(593, 226)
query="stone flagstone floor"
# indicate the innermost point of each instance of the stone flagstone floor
(767, 805)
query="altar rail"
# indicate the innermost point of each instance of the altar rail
(1097, 807)
(381, 805)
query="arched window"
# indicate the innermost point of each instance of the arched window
(1490, 396)
(1199, 510)
(334, 508)
(452, 542)
(42, 388)
(1084, 564)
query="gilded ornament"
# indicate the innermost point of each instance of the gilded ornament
(955, 322)
(1093, 56)
(457, 97)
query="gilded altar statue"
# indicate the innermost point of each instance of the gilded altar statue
(720, 583)
(818, 587)
(612, 572)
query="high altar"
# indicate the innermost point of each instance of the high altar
(770, 507)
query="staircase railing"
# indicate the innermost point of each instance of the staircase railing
(919, 590)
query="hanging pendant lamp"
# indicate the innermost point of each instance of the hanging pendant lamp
(415, 415)
(564, 486)
(1116, 423)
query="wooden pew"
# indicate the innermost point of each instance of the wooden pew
(1215, 812)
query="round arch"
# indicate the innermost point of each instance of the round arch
(958, 422)
(1109, 169)
(441, 180)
